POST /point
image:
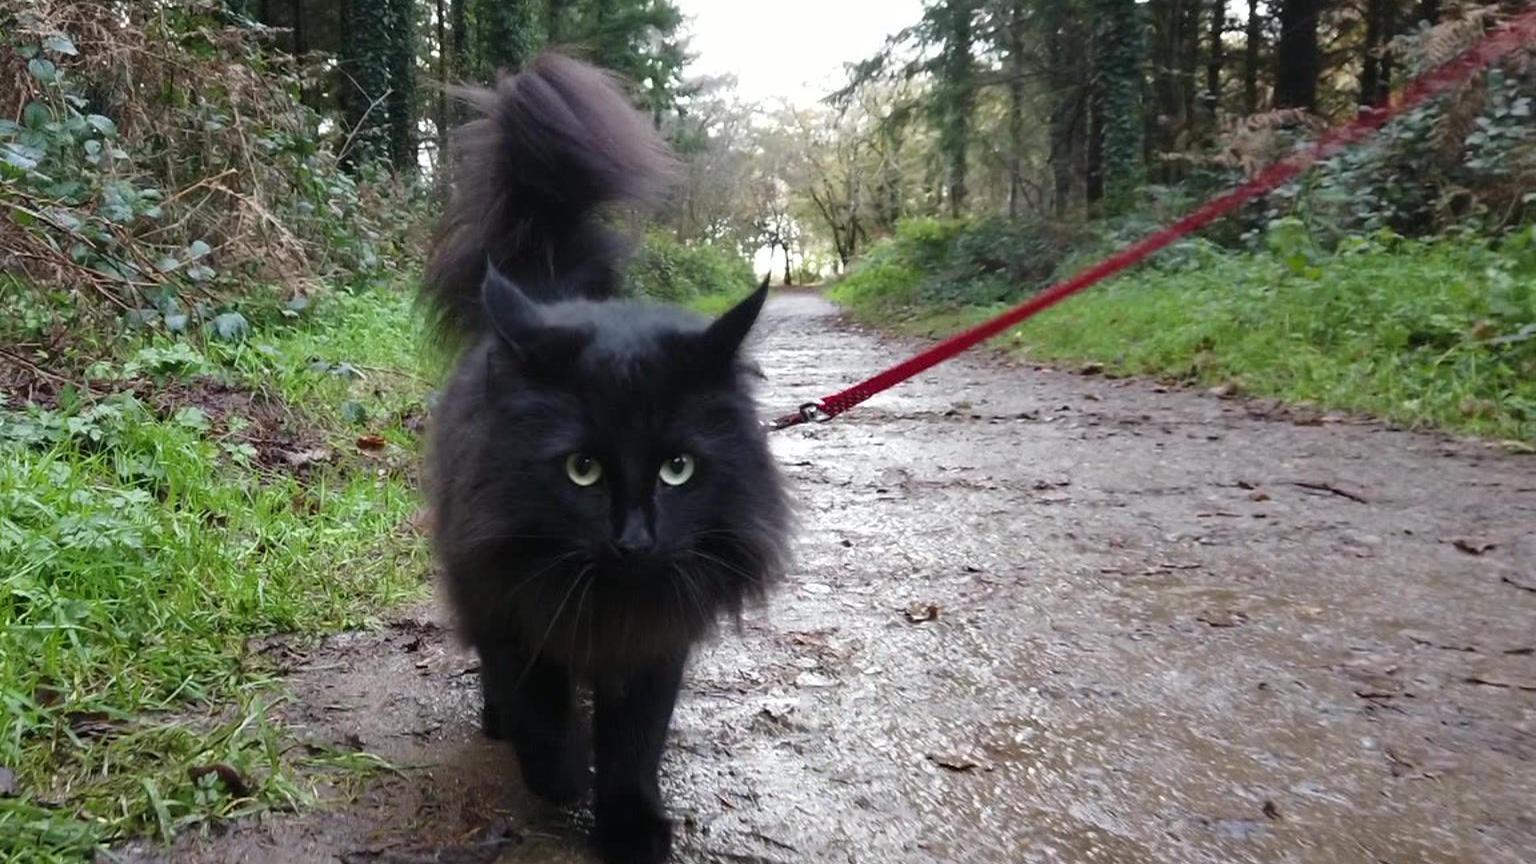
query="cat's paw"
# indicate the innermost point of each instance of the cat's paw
(493, 723)
(633, 831)
(558, 773)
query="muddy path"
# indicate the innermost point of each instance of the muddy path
(1169, 628)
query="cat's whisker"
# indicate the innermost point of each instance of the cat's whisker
(533, 657)
(720, 562)
(528, 580)
(576, 620)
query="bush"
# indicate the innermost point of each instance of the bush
(949, 264)
(1438, 332)
(664, 269)
(162, 167)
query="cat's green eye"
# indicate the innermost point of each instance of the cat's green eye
(583, 469)
(677, 470)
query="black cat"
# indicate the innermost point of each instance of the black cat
(603, 491)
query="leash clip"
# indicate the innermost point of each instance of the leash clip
(811, 412)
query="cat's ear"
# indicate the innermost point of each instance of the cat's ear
(515, 317)
(723, 338)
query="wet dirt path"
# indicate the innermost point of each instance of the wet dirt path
(1170, 628)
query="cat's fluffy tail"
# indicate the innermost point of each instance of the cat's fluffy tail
(554, 144)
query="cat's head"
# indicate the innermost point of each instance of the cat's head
(622, 447)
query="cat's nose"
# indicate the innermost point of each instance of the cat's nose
(636, 535)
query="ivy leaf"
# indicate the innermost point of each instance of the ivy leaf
(101, 124)
(231, 327)
(36, 115)
(60, 44)
(43, 70)
(197, 249)
(192, 417)
(25, 158)
(353, 412)
(176, 323)
(9, 127)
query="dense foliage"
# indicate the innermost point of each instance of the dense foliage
(666, 269)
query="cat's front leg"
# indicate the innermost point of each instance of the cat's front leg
(632, 714)
(533, 705)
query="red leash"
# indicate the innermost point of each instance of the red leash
(1511, 35)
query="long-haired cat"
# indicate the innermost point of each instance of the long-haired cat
(602, 488)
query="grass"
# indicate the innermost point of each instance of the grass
(1437, 335)
(142, 543)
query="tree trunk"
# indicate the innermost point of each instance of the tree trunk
(458, 25)
(789, 272)
(1017, 95)
(1251, 40)
(1189, 65)
(440, 106)
(958, 95)
(1215, 57)
(1070, 94)
(510, 32)
(300, 46)
(1297, 59)
(401, 105)
(1117, 72)
(1376, 67)
(366, 63)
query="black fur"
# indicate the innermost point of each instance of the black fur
(559, 585)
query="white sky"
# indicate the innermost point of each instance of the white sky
(789, 49)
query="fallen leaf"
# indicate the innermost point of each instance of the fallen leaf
(1224, 391)
(1473, 545)
(303, 458)
(1256, 495)
(370, 443)
(1222, 618)
(1271, 810)
(233, 782)
(90, 723)
(918, 612)
(7, 782)
(1091, 369)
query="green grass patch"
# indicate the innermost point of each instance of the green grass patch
(1428, 334)
(198, 494)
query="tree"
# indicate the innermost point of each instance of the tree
(954, 91)
(1118, 83)
(1253, 37)
(400, 107)
(1067, 74)
(1297, 59)
(1215, 57)
(1376, 64)
(1017, 52)
(508, 33)
(367, 60)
